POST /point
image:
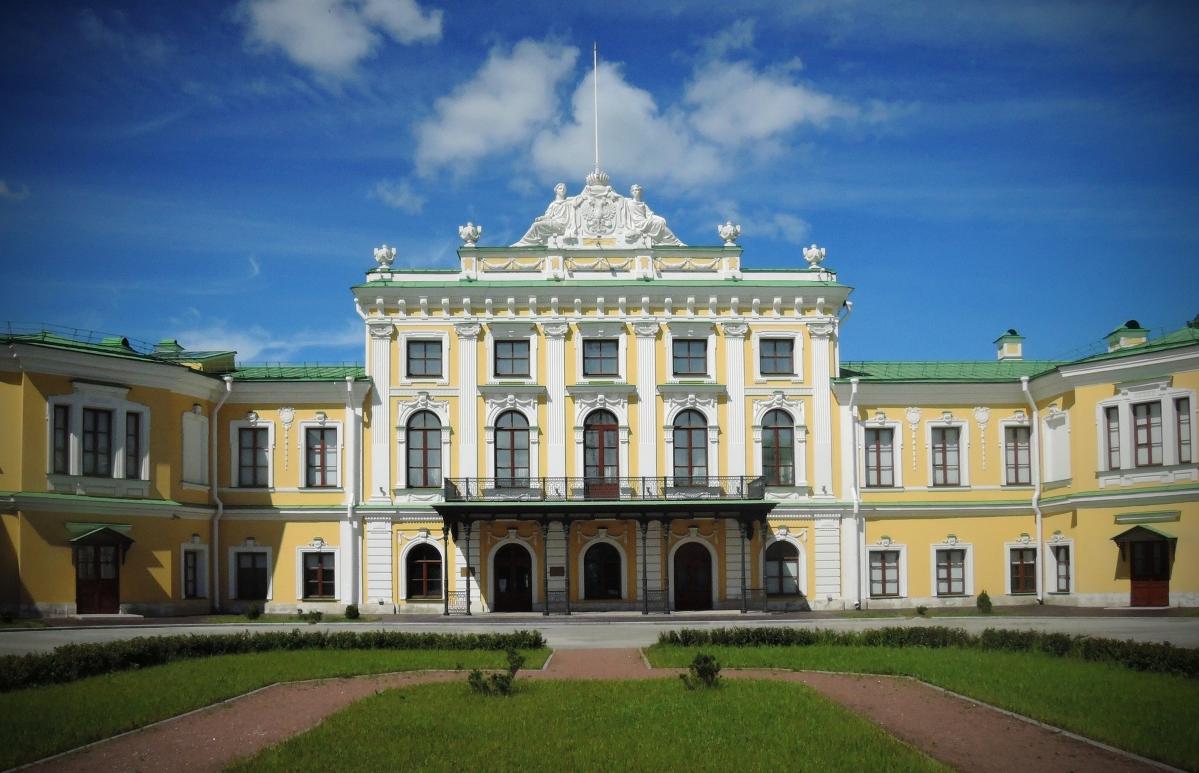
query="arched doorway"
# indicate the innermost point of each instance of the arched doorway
(692, 577)
(601, 455)
(602, 570)
(512, 579)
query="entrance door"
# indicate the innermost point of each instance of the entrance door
(1150, 573)
(692, 577)
(601, 456)
(512, 570)
(97, 579)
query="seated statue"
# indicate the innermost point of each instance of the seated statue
(557, 221)
(643, 225)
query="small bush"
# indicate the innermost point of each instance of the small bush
(921, 610)
(704, 672)
(352, 612)
(501, 683)
(314, 617)
(984, 603)
(254, 612)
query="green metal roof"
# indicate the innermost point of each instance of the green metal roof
(298, 372)
(944, 370)
(1187, 336)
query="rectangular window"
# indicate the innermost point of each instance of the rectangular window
(62, 440)
(1017, 459)
(600, 358)
(1147, 423)
(880, 458)
(946, 454)
(97, 442)
(951, 572)
(1182, 409)
(191, 574)
(252, 582)
(776, 356)
(884, 573)
(319, 576)
(511, 358)
(133, 446)
(1111, 420)
(424, 359)
(1024, 570)
(252, 460)
(1061, 560)
(320, 454)
(690, 357)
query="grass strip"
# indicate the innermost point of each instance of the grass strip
(601, 726)
(1147, 713)
(41, 721)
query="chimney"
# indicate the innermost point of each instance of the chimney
(1126, 336)
(1010, 346)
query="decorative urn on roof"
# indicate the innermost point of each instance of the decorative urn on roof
(729, 232)
(814, 255)
(470, 233)
(384, 256)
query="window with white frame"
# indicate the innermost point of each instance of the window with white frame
(950, 567)
(512, 351)
(691, 348)
(320, 457)
(690, 449)
(1055, 444)
(251, 574)
(1182, 412)
(253, 457)
(879, 447)
(887, 572)
(1147, 433)
(777, 355)
(1022, 569)
(1146, 429)
(1017, 456)
(1061, 555)
(689, 357)
(601, 358)
(946, 451)
(320, 575)
(511, 359)
(424, 450)
(782, 569)
(423, 358)
(778, 448)
(195, 447)
(96, 433)
(194, 570)
(511, 450)
(1111, 425)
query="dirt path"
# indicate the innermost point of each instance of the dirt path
(959, 733)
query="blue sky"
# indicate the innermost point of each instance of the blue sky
(220, 172)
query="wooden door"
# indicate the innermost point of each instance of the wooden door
(512, 580)
(692, 577)
(1150, 573)
(97, 579)
(601, 456)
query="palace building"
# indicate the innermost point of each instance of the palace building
(598, 417)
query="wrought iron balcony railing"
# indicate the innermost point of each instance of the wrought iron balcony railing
(522, 489)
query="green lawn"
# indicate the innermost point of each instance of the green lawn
(1150, 714)
(553, 726)
(286, 619)
(40, 721)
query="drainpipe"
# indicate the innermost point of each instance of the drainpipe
(352, 460)
(213, 478)
(1034, 443)
(859, 536)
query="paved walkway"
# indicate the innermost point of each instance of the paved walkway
(600, 630)
(960, 733)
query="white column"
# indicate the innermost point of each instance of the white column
(822, 334)
(351, 526)
(734, 346)
(732, 559)
(556, 555)
(476, 597)
(555, 385)
(828, 556)
(378, 367)
(647, 397)
(470, 437)
(378, 564)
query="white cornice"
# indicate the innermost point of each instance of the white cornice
(296, 391)
(84, 505)
(98, 367)
(932, 394)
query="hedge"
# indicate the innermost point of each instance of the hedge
(1140, 656)
(76, 661)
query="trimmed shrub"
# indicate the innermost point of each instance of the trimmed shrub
(1140, 656)
(500, 683)
(921, 610)
(984, 603)
(704, 671)
(77, 661)
(254, 612)
(352, 612)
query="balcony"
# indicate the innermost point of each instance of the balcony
(643, 489)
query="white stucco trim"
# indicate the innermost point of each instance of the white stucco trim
(235, 428)
(592, 331)
(897, 428)
(1008, 547)
(1050, 566)
(903, 569)
(512, 331)
(963, 427)
(535, 565)
(404, 413)
(404, 337)
(803, 559)
(103, 397)
(691, 329)
(338, 568)
(424, 537)
(270, 569)
(797, 358)
(716, 573)
(967, 568)
(624, 564)
(301, 442)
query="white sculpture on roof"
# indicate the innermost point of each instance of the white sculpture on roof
(729, 232)
(470, 233)
(598, 216)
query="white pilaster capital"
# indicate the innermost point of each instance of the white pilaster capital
(555, 329)
(735, 328)
(646, 328)
(380, 327)
(468, 331)
(821, 330)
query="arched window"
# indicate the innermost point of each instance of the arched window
(601, 572)
(782, 569)
(424, 451)
(778, 448)
(423, 570)
(512, 450)
(690, 449)
(601, 455)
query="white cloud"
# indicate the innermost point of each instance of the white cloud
(330, 37)
(782, 226)
(399, 195)
(117, 34)
(13, 194)
(255, 343)
(638, 142)
(512, 96)
(734, 103)
(736, 37)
